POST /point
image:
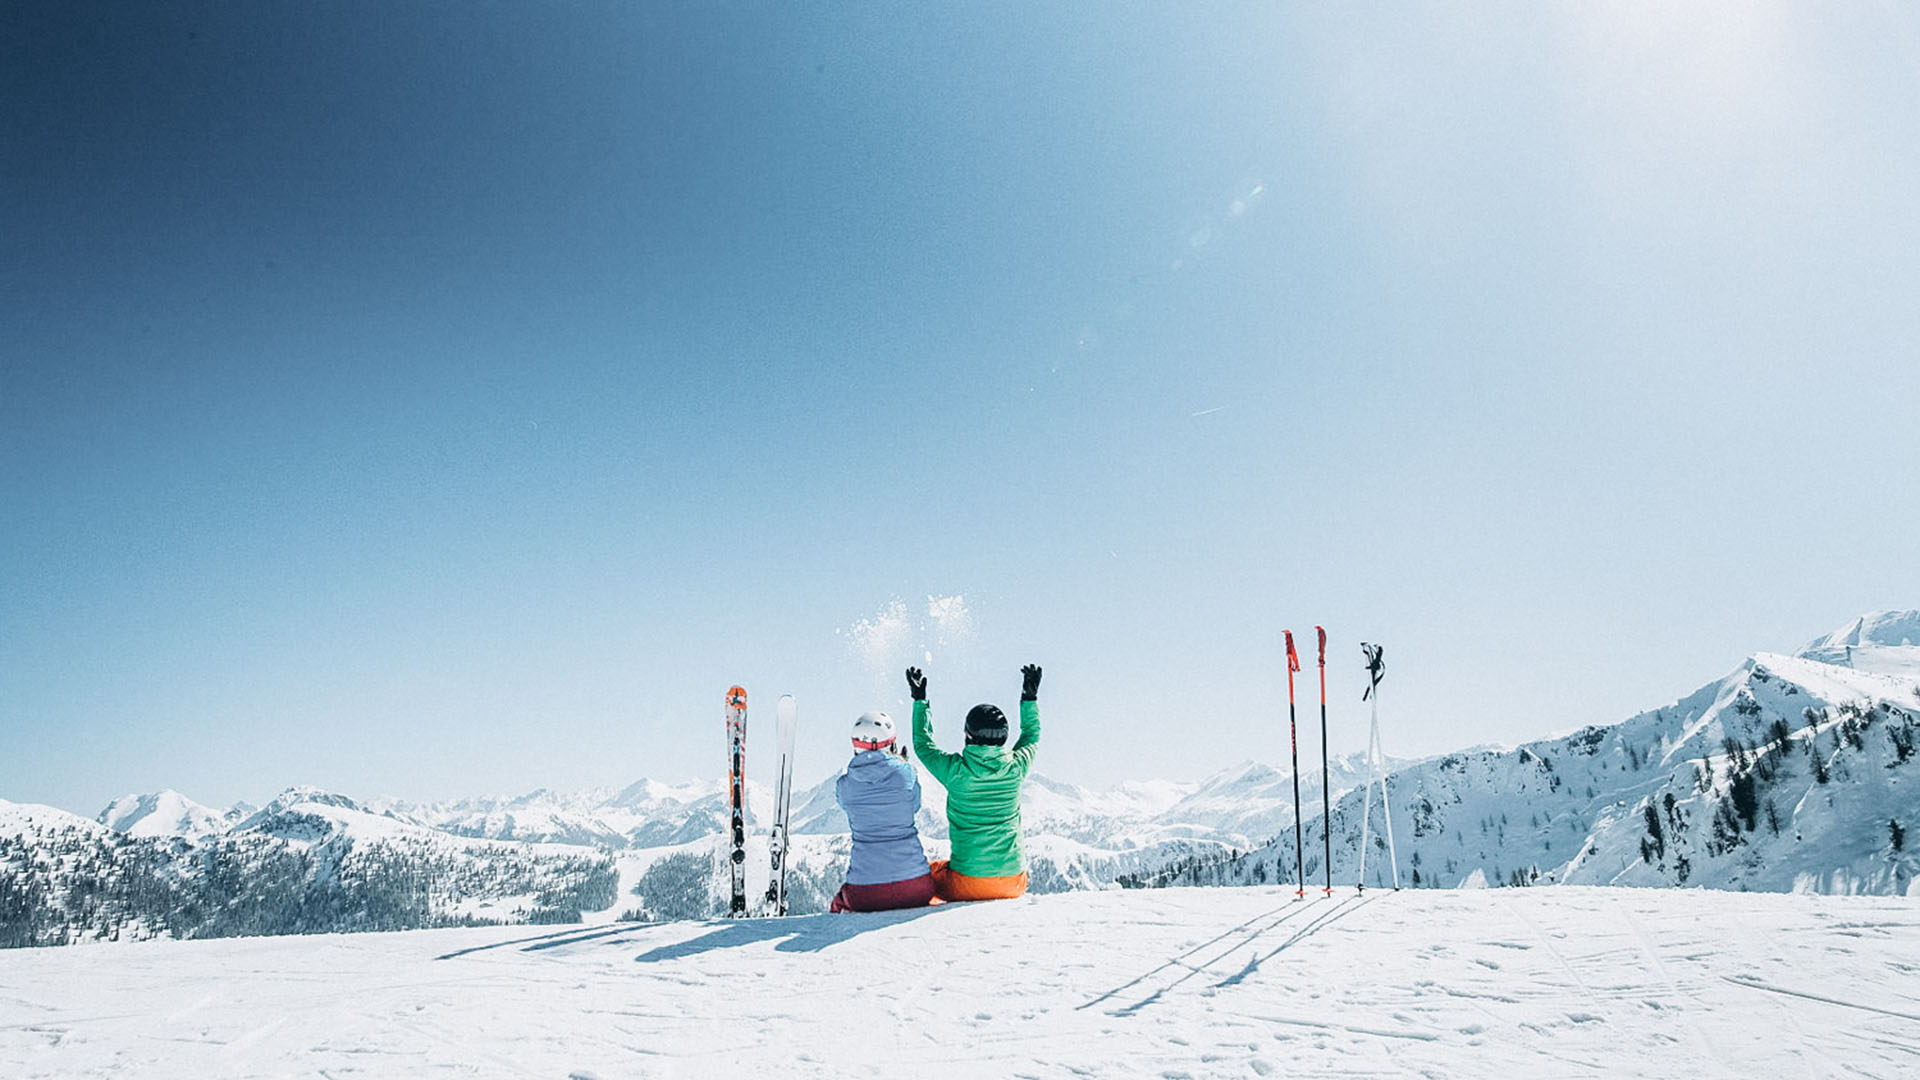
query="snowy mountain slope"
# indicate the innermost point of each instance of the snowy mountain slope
(1788, 774)
(1080, 837)
(162, 813)
(1237, 807)
(645, 814)
(1882, 629)
(1254, 802)
(309, 861)
(655, 849)
(1180, 982)
(28, 820)
(1884, 642)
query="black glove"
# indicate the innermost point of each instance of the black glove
(1030, 683)
(916, 684)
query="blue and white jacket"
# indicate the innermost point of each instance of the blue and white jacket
(880, 794)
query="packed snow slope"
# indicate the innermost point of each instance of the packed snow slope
(1793, 773)
(1164, 983)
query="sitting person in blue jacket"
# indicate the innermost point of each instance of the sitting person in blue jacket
(880, 794)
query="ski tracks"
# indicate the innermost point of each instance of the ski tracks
(1681, 999)
(1614, 983)
(1752, 983)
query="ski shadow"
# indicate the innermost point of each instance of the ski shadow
(1273, 918)
(556, 939)
(1185, 966)
(798, 933)
(1305, 932)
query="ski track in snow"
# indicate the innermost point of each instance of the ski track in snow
(1172, 983)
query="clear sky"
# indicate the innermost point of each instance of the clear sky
(437, 398)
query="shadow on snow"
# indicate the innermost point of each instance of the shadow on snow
(800, 933)
(557, 938)
(1247, 934)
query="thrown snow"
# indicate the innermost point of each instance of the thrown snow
(1180, 982)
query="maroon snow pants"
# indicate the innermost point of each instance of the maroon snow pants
(913, 892)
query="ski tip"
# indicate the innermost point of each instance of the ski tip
(736, 695)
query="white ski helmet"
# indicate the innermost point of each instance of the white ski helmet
(873, 731)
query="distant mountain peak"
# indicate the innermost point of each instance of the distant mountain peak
(297, 796)
(161, 813)
(1885, 642)
(1058, 787)
(1876, 628)
(1245, 773)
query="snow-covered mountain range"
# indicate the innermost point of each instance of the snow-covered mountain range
(307, 862)
(1238, 807)
(162, 864)
(1792, 773)
(665, 838)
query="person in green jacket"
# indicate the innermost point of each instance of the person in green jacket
(983, 792)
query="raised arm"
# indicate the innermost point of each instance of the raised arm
(1029, 744)
(939, 764)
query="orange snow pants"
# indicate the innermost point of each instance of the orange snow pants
(948, 885)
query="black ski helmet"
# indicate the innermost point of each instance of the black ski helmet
(986, 726)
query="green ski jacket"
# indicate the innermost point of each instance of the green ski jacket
(983, 794)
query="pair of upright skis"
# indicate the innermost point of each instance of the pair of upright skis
(788, 712)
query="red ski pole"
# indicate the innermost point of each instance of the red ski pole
(1293, 733)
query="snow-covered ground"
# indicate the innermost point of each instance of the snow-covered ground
(1171, 983)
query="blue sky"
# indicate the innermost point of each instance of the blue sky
(437, 398)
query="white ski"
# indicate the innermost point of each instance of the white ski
(789, 717)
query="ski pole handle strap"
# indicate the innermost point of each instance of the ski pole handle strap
(1293, 658)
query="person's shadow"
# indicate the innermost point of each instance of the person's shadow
(802, 933)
